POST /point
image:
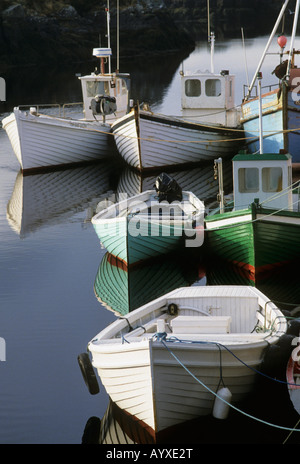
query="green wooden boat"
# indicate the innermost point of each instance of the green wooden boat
(142, 226)
(260, 228)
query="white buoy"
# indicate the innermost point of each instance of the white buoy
(221, 409)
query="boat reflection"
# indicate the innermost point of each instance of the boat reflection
(55, 197)
(122, 289)
(199, 180)
(279, 283)
(116, 427)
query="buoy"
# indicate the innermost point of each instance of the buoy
(88, 373)
(282, 40)
(221, 409)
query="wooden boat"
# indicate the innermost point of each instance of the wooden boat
(146, 225)
(58, 138)
(293, 378)
(279, 103)
(165, 362)
(260, 228)
(207, 127)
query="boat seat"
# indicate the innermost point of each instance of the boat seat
(200, 324)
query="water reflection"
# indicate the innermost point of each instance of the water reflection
(41, 200)
(199, 180)
(279, 283)
(122, 290)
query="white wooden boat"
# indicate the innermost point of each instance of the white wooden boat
(43, 140)
(164, 362)
(293, 378)
(208, 126)
(143, 226)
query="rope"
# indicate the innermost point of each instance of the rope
(293, 430)
(220, 128)
(219, 345)
(282, 192)
(226, 402)
(251, 221)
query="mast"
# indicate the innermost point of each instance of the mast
(267, 46)
(104, 54)
(261, 146)
(108, 35)
(118, 36)
(296, 14)
(211, 40)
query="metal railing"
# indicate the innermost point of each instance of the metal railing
(61, 109)
(265, 88)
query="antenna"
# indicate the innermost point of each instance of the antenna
(246, 66)
(118, 35)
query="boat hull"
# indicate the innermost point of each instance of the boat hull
(157, 390)
(148, 141)
(142, 227)
(43, 141)
(254, 239)
(171, 379)
(131, 241)
(280, 122)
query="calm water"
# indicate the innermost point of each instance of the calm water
(50, 258)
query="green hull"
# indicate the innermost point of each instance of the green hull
(131, 244)
(254, 239)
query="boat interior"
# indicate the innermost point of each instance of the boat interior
(220, 319)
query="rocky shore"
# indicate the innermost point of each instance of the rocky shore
(34, 32)
(59, 32)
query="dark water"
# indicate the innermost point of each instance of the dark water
(51, 258)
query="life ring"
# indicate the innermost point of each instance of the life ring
(88, 373)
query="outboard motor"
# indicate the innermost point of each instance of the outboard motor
(167, 188)
(103, 104)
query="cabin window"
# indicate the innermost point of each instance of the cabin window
(124, 87)
(248, 180)
(192, 88)
(94, 88)
(271, 179)
(213, 87)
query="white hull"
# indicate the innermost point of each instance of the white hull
(44, 141)
(154, 380)
(147, 141)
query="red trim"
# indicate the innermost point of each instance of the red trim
(292, 369)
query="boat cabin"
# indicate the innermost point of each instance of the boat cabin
(208, 97)
(266, 177)
(112, 85)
